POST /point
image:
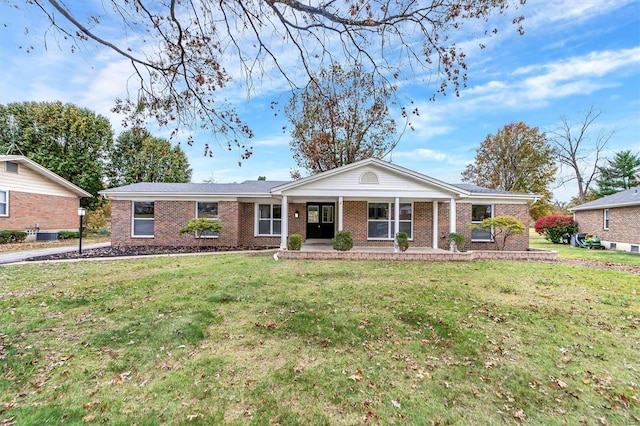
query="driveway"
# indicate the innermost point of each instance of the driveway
(20, 256)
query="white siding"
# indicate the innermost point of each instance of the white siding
(389, 184)
(27, 180)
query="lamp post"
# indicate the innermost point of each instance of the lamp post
(81, 213)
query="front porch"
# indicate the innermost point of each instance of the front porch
(323, 250)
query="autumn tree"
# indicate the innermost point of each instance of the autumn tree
(580, 149)
(70, 141)
(139, 157)
(620, 173)
(182, 53)
(340, 118)
(517, 158)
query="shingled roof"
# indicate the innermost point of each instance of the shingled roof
(629, 197)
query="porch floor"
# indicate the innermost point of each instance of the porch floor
(327, 245)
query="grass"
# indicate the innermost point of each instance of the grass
(566, 251)
(243, 339)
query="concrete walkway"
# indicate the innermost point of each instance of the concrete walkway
(20, 256)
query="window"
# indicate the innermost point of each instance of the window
(479, 212)
(269, 219)
(11, 167)
(606, 219)
(4, 203)
(143, 218)
(207, 210)
(380, 224)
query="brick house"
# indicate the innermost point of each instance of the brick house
(615, 219)
(32, 196)
(371, 198)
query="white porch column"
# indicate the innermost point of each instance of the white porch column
(284, 224)
(435, 225)
(452, 215)
(340, 213)
(396, 224)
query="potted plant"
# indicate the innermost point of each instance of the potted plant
(456, 241)
(402, 240)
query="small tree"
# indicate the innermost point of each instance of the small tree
(553, 228)
(198, 226)
(501, 228)
(403, 241)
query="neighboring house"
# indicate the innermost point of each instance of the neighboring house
(372, 199)
(32, 196)
(615, 219)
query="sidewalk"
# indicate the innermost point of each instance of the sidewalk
(20, 256)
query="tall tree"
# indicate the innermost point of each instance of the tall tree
(517, 158)
(139, 157)
(580, 150)
(179, 50)
(70, 141)
(622, 172)
(338, 119)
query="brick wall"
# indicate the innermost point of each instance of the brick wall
(50, 212)
(355, 220)
(170, 216)
(238, 222)
(624, 224)
(463, 220)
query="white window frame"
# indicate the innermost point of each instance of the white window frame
(390, 221)
(5, 202)
(133, 219)
(476, 222)
(208, 234)
(605, 219)
(271, 219)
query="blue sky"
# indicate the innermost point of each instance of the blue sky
(574, 55)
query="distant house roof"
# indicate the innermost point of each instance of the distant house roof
(629, 197)
(26, 162)
(475, 189)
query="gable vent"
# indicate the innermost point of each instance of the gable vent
(369, 177)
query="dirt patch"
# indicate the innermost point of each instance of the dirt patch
(634, 269)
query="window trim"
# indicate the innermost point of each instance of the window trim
(6, 203)
(390, 221)
(256, 223)
(476, 222)
(215, 234)
(605, 219)
(133, 219)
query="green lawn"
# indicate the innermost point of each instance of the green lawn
(566, 251)
(243, 339)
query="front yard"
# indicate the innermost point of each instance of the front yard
(241, 338)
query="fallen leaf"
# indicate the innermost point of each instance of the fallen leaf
(395, 403)
(520, 415)
(88, 418)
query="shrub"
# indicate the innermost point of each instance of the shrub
(200, 225)
(294, 242)
(553, 228)
(97, 221)
(457, 240)
(68, 235)
(12, 236)
(403, 241)
(502, 228)
(343, 241)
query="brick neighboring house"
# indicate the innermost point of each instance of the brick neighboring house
(615, 219)
(371, 198)
(32, 196)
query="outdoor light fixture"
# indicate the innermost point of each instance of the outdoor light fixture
(296, 214)
(81, 212)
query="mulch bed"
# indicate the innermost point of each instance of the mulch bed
(140, 251)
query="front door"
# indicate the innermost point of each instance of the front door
(320, 220)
